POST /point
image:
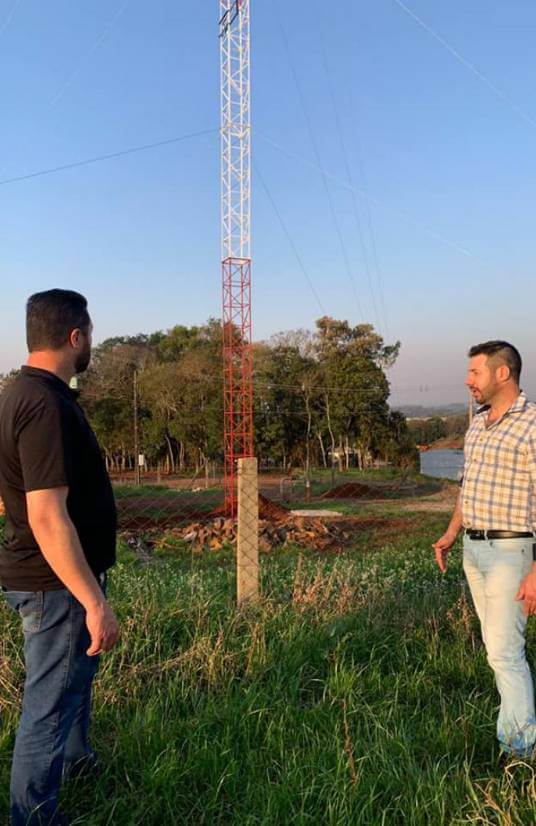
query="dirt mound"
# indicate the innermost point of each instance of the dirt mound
(271, 510)
(352, 490)
(267, 510)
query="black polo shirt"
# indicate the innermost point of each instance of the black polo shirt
(46, 442)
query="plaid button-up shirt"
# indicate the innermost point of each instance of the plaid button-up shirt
(499, 481)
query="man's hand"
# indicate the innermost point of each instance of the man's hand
(103, 628)
(442, 547)
(60, 545)
(527, 593)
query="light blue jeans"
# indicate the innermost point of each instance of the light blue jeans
(494, 569)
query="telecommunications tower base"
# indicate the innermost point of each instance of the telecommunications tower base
(234, 36)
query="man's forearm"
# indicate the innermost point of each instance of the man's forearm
(59, 543)
(456, 522)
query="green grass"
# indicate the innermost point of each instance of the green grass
(383, 474)
(355, 507)
(383, 482)
(133, 492)
(155, 502)
(356, 692)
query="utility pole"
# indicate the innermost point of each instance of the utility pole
(471, 409)
(136, 435)
(234, 34)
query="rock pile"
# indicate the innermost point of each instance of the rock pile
(214, 535)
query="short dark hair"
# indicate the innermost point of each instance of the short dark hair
(51, 316)
(504, 352)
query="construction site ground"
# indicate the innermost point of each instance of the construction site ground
(197, 521)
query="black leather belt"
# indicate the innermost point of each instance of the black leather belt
(498, 534)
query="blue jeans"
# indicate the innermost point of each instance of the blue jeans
(53, 730)
(494, 569)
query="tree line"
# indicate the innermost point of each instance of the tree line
(427, 431)
(320, 397)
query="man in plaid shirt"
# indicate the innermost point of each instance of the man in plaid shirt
(497, 510)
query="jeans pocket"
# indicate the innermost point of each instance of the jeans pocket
(29, 606)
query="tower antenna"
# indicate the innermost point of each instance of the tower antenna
(236, 240)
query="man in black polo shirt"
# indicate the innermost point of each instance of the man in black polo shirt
(59, 543)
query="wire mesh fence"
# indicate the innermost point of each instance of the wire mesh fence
(164, 510)
(155, 403)
(188, 508)
(161, 501)
(164, 500)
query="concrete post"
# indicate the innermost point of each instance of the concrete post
(247, 561)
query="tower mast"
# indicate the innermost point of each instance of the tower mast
(236, 239)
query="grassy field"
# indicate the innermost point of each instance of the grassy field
(356, 692)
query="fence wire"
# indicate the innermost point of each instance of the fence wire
(182, 511)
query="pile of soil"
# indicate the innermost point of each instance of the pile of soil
(268, 509)
(352, 490)
(271, 510)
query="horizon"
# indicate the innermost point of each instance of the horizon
(426, 394)
(394, 186)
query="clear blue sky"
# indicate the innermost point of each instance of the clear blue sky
(443, 164)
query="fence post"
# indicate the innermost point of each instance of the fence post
(247, 552)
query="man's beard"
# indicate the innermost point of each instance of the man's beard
(485, 396)
(82, 361)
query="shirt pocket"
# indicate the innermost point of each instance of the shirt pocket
(506, 453)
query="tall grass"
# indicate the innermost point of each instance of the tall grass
(356, 692)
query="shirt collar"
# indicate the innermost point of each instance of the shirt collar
(518, 405)
(52, 379)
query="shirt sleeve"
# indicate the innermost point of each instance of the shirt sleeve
(44, 447)
(531, 461)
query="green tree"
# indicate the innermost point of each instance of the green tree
(355, 389)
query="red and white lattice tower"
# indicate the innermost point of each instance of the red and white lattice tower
(236, 240)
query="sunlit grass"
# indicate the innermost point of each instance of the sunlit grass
(133, 491)
(355, 692)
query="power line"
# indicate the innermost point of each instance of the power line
(144, 348)
(354, 203)
(453, 244)
(372, 239)
(342, 141)
(290, 239)
(314, 145)
(422, 388)
(468, 65)
(107, 157)
(94, 47)
(9, 17)
(368, 213)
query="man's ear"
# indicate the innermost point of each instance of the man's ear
(502, 372)
(74, 338)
